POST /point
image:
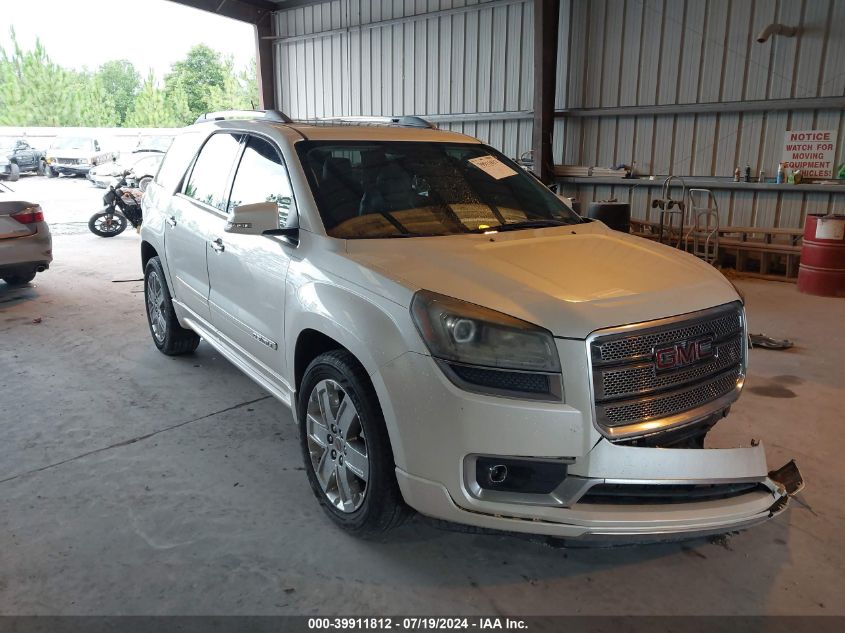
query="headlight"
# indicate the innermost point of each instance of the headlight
(484, 350)
(83, 161)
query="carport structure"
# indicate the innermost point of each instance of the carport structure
(342, 26)
(134, 483)
(671, 86)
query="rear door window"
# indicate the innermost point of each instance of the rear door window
(210, 175)
(178, 159)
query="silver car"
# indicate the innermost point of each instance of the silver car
(26, 246)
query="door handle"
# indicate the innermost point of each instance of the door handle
(218, 245)
(171, 220)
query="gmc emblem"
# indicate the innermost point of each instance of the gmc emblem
(683, 353)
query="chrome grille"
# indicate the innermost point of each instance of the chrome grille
(623, 347)
(632, 398)
(677, 401)
(630, 381)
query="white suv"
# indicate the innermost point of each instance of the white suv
(450, 335)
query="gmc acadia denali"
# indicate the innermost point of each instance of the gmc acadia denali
(450, 335)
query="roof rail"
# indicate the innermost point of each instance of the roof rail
(403, 121)
(268, 115)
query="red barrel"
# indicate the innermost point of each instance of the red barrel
(822, 269)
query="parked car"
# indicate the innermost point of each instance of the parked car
(75, 155)
(451, 336)
(142, 169)
(17, 157)
(26, 246)
(143, 162)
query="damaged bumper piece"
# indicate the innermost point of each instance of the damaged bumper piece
(617, 494)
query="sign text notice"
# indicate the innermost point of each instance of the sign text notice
(810, 151)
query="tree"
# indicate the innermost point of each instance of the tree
(152, 108)
(121, 82)
(199, 75)
(34, 91)
(238, 92)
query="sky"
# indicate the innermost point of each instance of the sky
(152, 34)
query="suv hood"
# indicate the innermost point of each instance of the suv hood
(571, 280)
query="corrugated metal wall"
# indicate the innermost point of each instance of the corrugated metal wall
(448, 57)
(657, 52)
(435, 57)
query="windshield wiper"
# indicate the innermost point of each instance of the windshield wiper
(527, 224)
(416, 235)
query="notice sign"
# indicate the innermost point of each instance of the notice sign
(492, 166)
(810, 151)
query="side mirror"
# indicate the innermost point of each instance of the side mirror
(253, 219)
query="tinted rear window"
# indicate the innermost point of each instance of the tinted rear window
(178, 159)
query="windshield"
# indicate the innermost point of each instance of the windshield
(73, 142)
(396, 189)
(153, 144)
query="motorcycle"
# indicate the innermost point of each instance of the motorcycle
(122, 206)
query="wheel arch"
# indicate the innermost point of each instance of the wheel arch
(148, 251)
(327, 316)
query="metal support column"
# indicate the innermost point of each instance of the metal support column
(264, 62)
(546, 13)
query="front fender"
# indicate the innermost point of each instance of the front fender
(375, 330)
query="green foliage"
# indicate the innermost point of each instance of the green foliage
(121, 82)
(34, 91)
(201, 75)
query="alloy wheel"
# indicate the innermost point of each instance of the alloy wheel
(337, 446)
(155, 306)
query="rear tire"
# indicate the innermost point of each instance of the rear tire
(19, 280)
(101, 225)
(343, 437)
(169, 337)
(14, 172)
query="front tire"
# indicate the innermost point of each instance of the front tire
(169, 337)
(14, 172)
(40, 170)
(51, 173)
(20, 279)
(107, 224)
(345, 446)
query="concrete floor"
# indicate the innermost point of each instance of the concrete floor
(134, 483)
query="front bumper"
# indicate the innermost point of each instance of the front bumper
(76, 170)
(436, 429)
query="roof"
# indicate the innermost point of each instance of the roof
(330, 130)
(370, 132)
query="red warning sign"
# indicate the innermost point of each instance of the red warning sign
(811, 151)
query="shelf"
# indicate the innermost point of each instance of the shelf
(704, 183)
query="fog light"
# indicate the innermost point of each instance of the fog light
(532, 476)
(498, 473)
